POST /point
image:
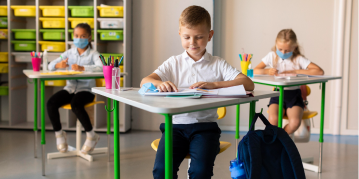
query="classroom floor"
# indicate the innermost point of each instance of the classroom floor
(17, 159)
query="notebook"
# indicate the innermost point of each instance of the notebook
(234, 91)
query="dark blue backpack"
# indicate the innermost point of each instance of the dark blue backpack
(269, 153)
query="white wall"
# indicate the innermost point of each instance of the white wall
(248, 25)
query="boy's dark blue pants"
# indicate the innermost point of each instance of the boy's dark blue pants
(200, 140)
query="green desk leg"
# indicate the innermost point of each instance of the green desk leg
(35, 117)
(321, 140)
(43, 141)
(116, 130)
(168, 147)
(280, 110)
(252, 111)
(237, 125)
(108, 128)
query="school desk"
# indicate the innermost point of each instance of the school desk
(281, 84)
(35, 76)
(169, 107)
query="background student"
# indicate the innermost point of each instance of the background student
(76, 92)
(285, 58)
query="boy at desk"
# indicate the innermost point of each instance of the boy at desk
(196, 133)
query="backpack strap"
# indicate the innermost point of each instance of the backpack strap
(263, 119)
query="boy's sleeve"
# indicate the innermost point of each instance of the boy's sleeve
(164, 70)
(229, 72)
(97, 67)
(51, 66)
(303, 62)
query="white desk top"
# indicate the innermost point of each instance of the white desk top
(33, 74)
(157, 104)
(300, 80)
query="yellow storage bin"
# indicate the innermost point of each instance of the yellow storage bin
(52, 22)
(101, 82)
(24, 11)
(4, 57)
(3, 10)
(55, 83)
(4, 68)
(75, 21)
(3, 33)
(110, 11)
(53, 11)
(52, 46)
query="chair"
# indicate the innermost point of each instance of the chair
(223, 145)
(77, 151)
(306, 114)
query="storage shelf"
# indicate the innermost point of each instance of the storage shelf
(17, 110)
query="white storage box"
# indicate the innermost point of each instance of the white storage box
(111, 23)
(25, 56)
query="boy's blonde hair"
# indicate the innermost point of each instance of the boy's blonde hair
(287, 35)
(193, 16)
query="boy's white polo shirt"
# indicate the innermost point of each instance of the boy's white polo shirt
(183, 71)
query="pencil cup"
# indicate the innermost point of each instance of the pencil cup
(36, 63)
(107, 73)
(244, 67)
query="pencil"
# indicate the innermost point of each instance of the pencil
(120, 61)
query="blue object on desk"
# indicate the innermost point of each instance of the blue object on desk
(146, 88)
(250, 73)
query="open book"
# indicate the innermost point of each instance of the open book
(232, 92)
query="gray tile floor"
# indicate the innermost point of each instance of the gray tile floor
(17, 159)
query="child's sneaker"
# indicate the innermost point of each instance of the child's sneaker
(61, 142)
(90, 144)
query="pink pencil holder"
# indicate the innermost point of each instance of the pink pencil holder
(36, 63)
(107, 73)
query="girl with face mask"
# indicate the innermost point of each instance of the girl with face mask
(76, 92)
(285, 58)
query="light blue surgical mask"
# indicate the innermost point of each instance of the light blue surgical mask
(284, 56)
(81, 43)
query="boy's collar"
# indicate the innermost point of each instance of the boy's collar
(205, 56)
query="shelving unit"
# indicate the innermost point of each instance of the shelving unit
(4, 99)
(17, 108)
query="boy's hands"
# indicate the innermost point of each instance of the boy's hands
(167, 86)
(206, 85)
(272, 71)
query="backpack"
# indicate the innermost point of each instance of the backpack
(269, 153)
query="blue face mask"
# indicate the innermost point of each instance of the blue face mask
(81, 43)
(284, 56)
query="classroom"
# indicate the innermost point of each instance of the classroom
(178, 89)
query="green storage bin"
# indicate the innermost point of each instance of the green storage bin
(72, 34)
(24, 34)
(27, 46)
(106, 55)
(4, 90)
(3, 22)
(111, 34)
(81, 11)
(53, 34)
